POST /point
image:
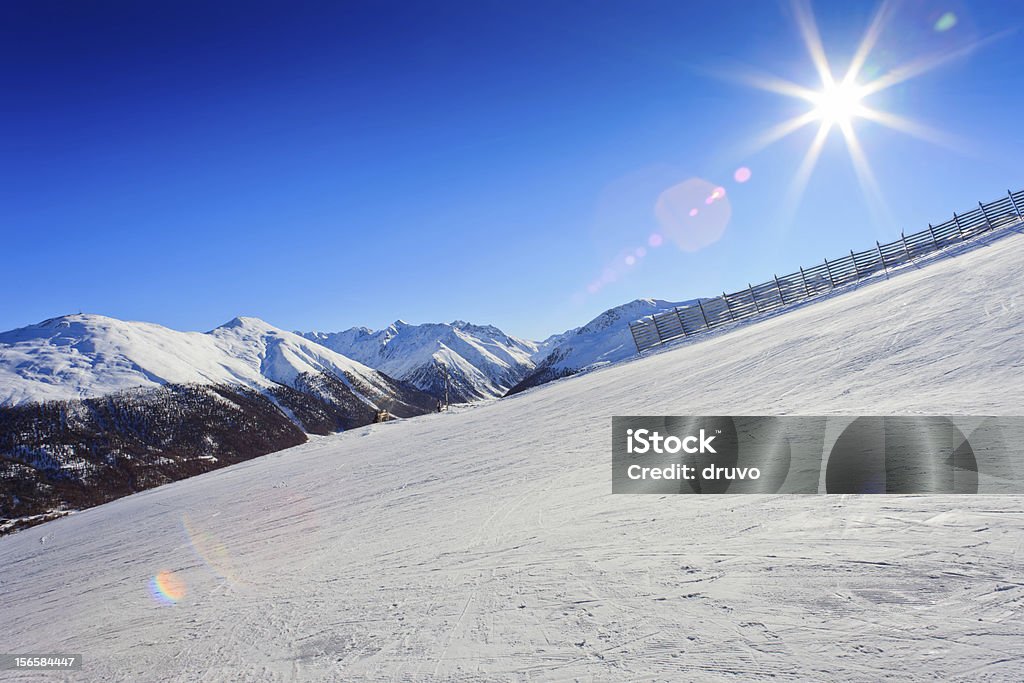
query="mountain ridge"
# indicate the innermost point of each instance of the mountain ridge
(464, 360)
(603, 340)
(87, 355)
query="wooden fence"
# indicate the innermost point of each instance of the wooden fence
(807, 283)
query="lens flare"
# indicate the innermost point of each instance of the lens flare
(945, 22)
(616, 269)
(690, 230)
(654, 240)
(209, 549)
(741, 175)
(167, 587)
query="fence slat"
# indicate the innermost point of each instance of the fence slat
(640, 346)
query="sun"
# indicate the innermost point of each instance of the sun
(838, 101)
(838, 104)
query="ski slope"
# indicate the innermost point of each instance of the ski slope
(484, 544)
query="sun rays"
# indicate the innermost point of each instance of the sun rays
(838, 103)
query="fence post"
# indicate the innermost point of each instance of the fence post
(807, 290)
(856, 270)
(829, 271)
(882, 256)
(707, 325)
(903, 238)
(728, 306)
(984, 213)
(778, 287)
(750, 288)
(680, 319)
(654, 322)
(1014, 202)
(932, 233)
(636, 342)
(959, 229)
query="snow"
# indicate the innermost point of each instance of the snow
(484, 543)
(607, 338)
(604, 340)
(482, 356)
(544, 348)
(80, 356)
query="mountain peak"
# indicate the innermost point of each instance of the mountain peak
(73, 318)
(605, 339)
(245, 322)
(482, 361)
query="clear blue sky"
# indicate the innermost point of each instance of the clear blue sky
(323, 165)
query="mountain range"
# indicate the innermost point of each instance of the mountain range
(466, 362)
(92, 408)
(86, 356)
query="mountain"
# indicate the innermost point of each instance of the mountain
(544, 348)
(486, 544)
(92, 407)
(476, 361)
(605, 339)
(85, 356)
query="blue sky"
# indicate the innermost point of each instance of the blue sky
(323, 165)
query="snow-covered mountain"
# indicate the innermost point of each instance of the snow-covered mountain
(480, 361)
(544, 348)
(84, 356)
(605, 339)
(93, 408)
